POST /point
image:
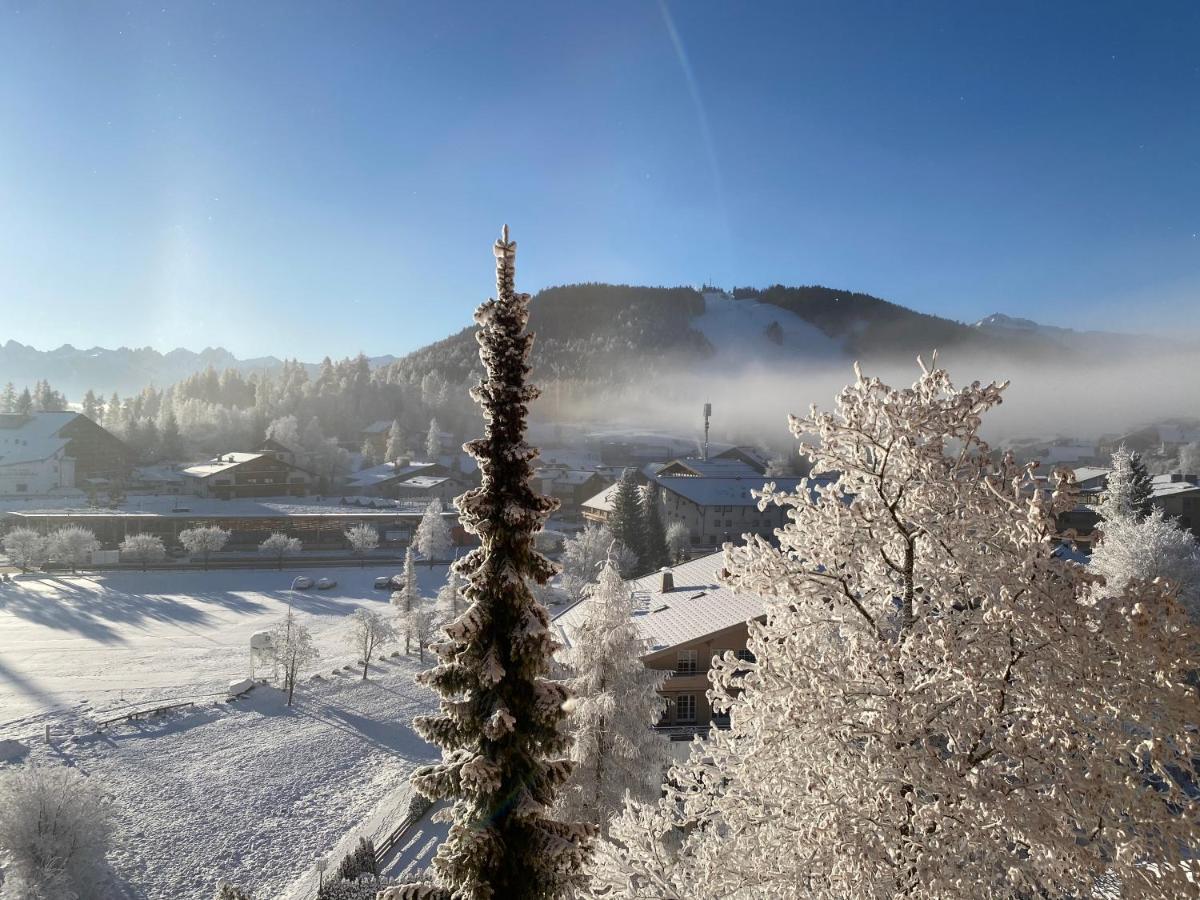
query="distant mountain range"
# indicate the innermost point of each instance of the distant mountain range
(124, 370)
(615, 334)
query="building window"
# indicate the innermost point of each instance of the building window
(685, 707)
(745, 655)
(685, 662)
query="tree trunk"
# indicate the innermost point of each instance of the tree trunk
(366, 663)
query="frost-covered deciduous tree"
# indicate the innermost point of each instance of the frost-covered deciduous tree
(407, 598)
(292, 646)
(1132, 550)
(362, 539)
(368, 632)
(143, 548)
(1127, 494)
(56, 827)
(432, 539)
(204, 541)
(586, 553)
(72, 546)
(25, 548)
(679, 542)
(278, 546)
(422, 625)
(1189, 459)
(938, 707)
(627, 522)
(615, 706)
(501, 724)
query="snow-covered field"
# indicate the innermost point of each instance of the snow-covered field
(251, 791)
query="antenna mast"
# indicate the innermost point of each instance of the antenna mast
(707, 416)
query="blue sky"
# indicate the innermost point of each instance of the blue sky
(316, 178)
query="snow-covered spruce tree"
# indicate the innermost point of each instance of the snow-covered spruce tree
(1132, 550)
(501, 725)
(1189, 458)
(616, 704)
(407, 598)
(396, 443)
(939, 707)
(653, 530)
(1127, 494)
(433, 441)
(627, 521)
(433, 539)
(227, 891)
(449, 603)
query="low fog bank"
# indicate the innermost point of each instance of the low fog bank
(1068, 398)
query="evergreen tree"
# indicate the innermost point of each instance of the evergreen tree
(408, 598)
(112, 413)
(369, 457)
(170, 445)
(1129, 489)
(433, 539)
(616, 705)
(657, 554)
(627, 521)
(449, 602)
(89, 408)
(1142, 492)
(395, 443)
(25, 402)
(227, 891)
(503, 750)
(8, 399)
(433, 441)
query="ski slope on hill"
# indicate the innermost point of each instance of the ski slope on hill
(738, 330)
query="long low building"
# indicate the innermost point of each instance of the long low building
(686, 618)
(317, 524)
(715, 501)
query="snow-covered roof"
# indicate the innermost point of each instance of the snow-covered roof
(31, 438)
(387, 472)
(693, 466)
(724, 491)
(1087, 473)
(220, 464)
(424, 481)
(697, 606)
(1169, 485)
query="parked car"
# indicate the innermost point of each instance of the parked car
(301, 583)
(324, 584)
(383, 583)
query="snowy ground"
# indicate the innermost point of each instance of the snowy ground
(71, 644)
(251, 791)
(738, 331)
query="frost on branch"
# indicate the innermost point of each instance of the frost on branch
(500, 724)
(940, 707)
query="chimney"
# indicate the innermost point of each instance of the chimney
(668, 581)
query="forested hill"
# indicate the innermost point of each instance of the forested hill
(615, 333)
